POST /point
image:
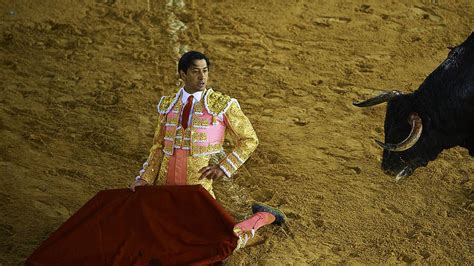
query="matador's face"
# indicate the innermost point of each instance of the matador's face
(195, 78)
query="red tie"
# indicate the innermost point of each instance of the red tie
(186, 111)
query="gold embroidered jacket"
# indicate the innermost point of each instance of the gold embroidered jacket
(213, 116)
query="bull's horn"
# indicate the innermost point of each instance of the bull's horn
(415, 133)
(384, 97)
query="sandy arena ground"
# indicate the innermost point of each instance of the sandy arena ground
(80, 81)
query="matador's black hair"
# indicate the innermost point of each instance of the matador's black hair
(187, 59)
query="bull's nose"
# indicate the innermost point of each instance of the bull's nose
(393, 168)
(389, 172)
(407, 171)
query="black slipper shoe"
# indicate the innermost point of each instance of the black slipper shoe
(279, 216)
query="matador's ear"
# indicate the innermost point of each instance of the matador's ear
(182, 74)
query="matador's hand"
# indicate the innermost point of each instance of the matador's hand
(137, 183)
(211, 172)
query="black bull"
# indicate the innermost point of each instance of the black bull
(437, 116)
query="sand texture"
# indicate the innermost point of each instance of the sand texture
(80, 81)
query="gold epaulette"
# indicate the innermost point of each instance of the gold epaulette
(166, 103)
(217, 103)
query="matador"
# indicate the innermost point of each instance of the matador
(188, 142)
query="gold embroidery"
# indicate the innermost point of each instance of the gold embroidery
(151, 170)
(199, 122)
(177, 106)
(187, 133)
(228, 170)
(170, 134)
(186, 143)
(242, 130)
(194, 165)
(203, 150)
(216, 102)
(165, 103)
(155, 155)
(216, 158)
(161, 180)
(198, 108)
(234, 162)
(172, 120)
(198, 136)
(168, 148)
(178, 142)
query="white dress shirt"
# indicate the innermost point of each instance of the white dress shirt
(197, 97)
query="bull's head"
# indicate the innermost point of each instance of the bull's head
(403, 129)
(439, 115)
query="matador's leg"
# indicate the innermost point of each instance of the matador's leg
(263, 215)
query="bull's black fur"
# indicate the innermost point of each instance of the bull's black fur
(445, 103)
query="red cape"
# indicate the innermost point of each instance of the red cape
(158, 225)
